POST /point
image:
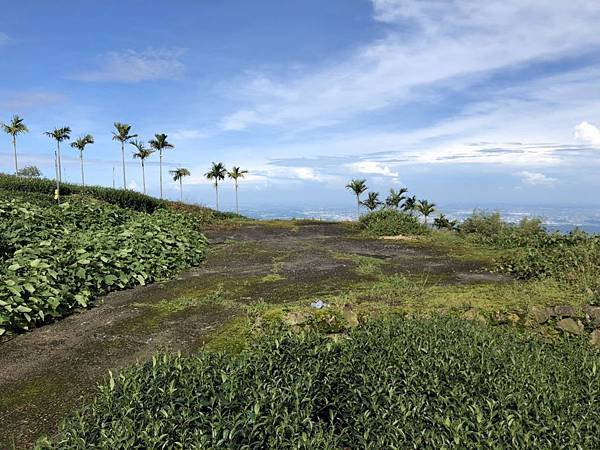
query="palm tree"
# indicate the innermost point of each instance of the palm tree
(395, 198)
(425, 208)
(372, 201)
(410, 204)
(59, 134)
(358, 187)
(142, 153)
(122, 135)
(178, 175)
(442, 221)
(160, 143)
(216, 173)
(80, 144)
(16, 126)
(235, 174)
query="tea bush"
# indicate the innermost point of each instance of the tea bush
(123, 198)
(391, 222)
(395, 383)
(56, 258)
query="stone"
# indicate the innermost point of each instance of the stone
(594, 313)
(350, 316)
(541, 314)
(563, 311)
(570, 326)
(595, 338)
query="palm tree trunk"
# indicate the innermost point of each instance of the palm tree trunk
(15, 151)
(217, 193)
(180, 190)
(57, 179)
(123, 158)
(357, 207)
(160, 168)
(143, 176)
(82, 176)
(237, 204)
(59, 164)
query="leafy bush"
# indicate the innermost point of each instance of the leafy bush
(491, 230)
(396, 383)
(123, 198)
(202, 214)
(56, 258)
(391, 222)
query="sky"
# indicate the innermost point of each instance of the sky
(462, 101)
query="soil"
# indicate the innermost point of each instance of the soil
(50, 371)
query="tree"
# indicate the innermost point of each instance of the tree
(372, 202)
(395, 198)
(142, 153)
(425, 208)
(15, 127)
(160, 143)
(122, 135)
(410, 204)
(178, 175)
(80, 144)
(216, 173)
(358, 187)
(58, 134)
(29, 172)
(235, 174)
(442, 222)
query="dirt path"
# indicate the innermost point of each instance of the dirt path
(44, 374)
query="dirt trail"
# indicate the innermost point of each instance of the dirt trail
(44, 374)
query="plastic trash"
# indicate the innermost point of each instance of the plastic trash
(318, 304)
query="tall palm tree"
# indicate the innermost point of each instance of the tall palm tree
(80, 144)
(16, 126)
(122, 135)
(372, 202)
(142, 153)
(235, 174)
(358, 187)
(217, 172)
(178, 175)
(58, 134)
(425, 208)
(395, 198)
(410, 204)
(160, 143)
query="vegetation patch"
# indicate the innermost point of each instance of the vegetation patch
(438, 382)
(57, 258)
(391, 222)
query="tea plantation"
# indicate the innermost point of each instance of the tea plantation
(393, 383)
(57, 258)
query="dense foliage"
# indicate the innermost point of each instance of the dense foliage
(490, 229)
(396, 383)
(391, 222)
(56, 258)
(123, 198)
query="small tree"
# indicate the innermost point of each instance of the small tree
(442, 222)
(15, 127)
(410, 205)
(395, 198)
(358, 187)
(236, 174)
(372, 202)
(80, 144)
(142, 153)
(216, 173)
(122, 135)
(178, 175)
(29, 172)
(425, 208)
(160, 143)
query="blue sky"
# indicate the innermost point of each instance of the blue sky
(462, 101)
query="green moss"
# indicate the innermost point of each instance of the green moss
(272, 277)
(232, 337)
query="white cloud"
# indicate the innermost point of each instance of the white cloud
(30, 99)
(187, 135)
(536, 178)
(130, 66)
(372, 168)
(452, 40)
(587, 132)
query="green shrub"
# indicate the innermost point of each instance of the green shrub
(123, 198)
(56, 258)
(396, 383)
(202, 214)
(490, 229)
(391, 222)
